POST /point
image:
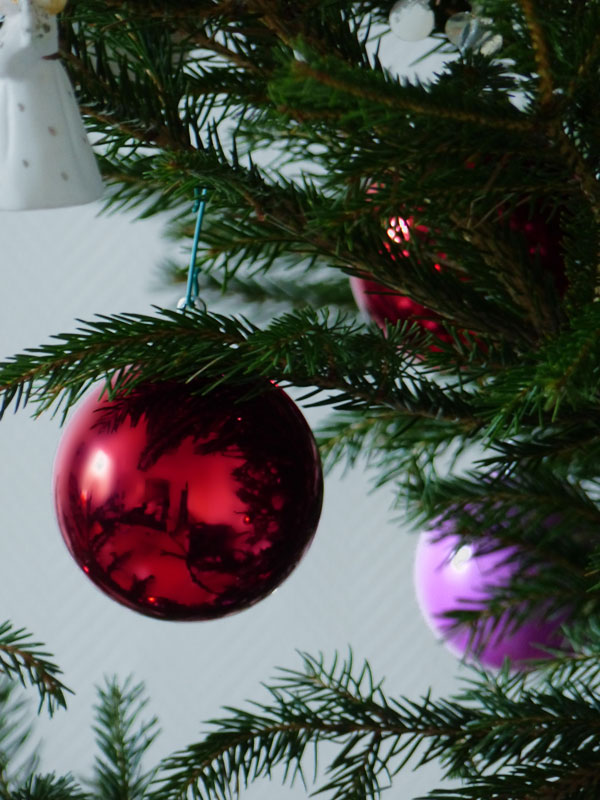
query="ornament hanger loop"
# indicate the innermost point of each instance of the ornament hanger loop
(192, 298)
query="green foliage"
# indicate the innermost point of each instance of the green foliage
(49, 787)
(307, 348)
(333, 727)
(267, 293)
(24, 660)
(123, 741)
(308, 146)
(16, 763)
(504, 737)
(507, 736)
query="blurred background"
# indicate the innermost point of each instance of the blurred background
(354, 587)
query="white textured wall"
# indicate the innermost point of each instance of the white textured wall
(354, 587)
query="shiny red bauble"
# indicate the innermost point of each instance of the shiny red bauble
(185, 506)
(384, 306)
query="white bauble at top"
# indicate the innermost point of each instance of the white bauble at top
(412, 20)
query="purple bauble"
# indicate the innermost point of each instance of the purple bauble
(450, 576)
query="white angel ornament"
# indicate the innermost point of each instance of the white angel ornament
(46, 160)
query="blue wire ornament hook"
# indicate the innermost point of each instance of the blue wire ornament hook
(192, 295)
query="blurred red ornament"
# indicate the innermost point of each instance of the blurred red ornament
(544, 242)
(383, 305)
(188, 507)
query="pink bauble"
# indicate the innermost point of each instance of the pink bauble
(451, 576)
(185, 506)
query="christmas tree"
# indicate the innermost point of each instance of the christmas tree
(463, 212)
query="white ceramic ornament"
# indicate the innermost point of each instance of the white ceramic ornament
(412, 20)
(46, 160)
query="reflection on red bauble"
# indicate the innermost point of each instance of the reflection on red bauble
(188, 507)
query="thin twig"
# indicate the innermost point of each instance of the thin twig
(542, 55)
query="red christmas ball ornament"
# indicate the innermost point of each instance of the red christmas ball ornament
(184, 506)
(383, 305)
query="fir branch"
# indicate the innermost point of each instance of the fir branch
(50, 787)
(296, 290)
(521, 281)
(135, 187)
(542, 493)
(149, 134)
(494, 733)
(582, 664)
(583, 171)
(22, 659)
(131, 80)
(345, 436)
(572, 448)
(302, 76)
(326, 27)
(586, 19)
(304, 348)
(530, 784)
(553, 107)
(123, 740)
(15, 735)
(395, 447)
(587, 64)
(329, 84)
(563, 376)
(541, 52)
(307, 708)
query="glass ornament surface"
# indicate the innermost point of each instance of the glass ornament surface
(470, 32)
(188, 507)
(450, 575)
(456, 25)
(412, 20)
